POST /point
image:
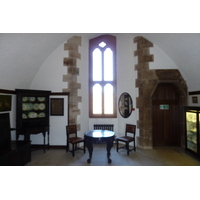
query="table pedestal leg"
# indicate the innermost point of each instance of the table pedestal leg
(89, 146)
(109, 146)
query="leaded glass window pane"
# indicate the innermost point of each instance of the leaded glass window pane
(108, 99)
(97, 99)
(108, 65)
(102, 44)
(97, 65)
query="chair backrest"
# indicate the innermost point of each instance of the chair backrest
(108, 127)
(71, 130)
(130, 128)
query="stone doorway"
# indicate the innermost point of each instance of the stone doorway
(147, 83)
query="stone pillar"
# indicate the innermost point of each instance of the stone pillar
(144, 83)
(71, 77)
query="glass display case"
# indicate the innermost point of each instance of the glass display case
(32, 114)
(192, 122)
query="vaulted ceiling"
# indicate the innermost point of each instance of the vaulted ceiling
(21, 54)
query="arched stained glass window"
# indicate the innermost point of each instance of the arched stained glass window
(102, 77)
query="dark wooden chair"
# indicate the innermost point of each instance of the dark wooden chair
(73, 139)
(129, 137)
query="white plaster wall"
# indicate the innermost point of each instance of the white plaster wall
(190, 102)
(51, 72)
(161, 60)
(126, 76)
(50, 77)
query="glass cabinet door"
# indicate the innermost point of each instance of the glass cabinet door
(191, 130)
(33, 107)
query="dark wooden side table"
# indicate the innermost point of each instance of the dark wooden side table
(27, 131)
(99, 137)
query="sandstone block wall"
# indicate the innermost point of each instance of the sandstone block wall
(72, 46)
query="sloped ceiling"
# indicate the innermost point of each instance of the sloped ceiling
(22, 54)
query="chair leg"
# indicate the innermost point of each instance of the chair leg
(84, 146)
(73, 150)
(117, 146)
(127, 147)
(67, 147)
(134, 145)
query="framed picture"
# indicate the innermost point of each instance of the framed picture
(194, 100)
(5, 103)
(57, 106)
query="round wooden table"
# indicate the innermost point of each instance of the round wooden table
(99, 137)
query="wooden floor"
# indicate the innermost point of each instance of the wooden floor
(47, 172)
(174, 156)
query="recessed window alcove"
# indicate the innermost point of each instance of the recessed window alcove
(147, 81)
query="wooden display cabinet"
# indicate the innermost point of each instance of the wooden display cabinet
(32, 114)
(192, 129)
